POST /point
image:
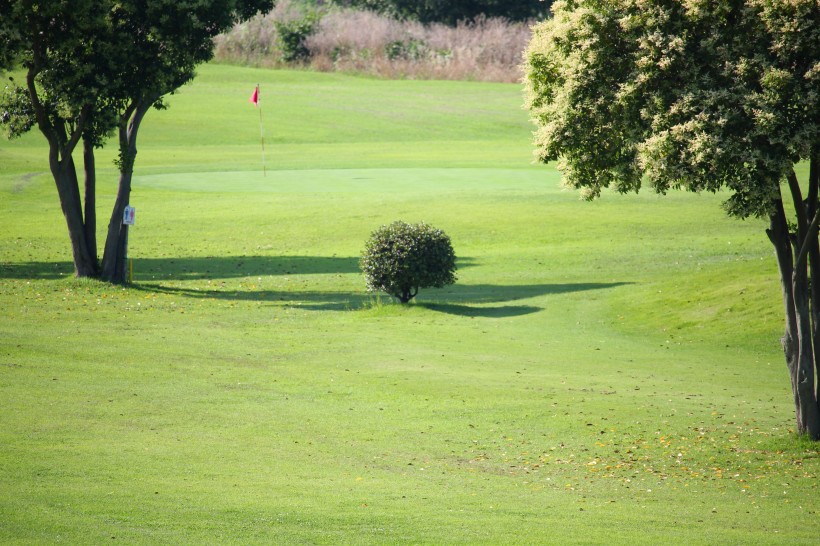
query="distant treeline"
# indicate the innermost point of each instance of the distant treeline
(451, 12)
(388, 38)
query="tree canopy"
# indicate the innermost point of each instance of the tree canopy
(94, 67)
(701, 96)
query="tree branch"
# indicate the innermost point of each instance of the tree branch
(77, 134)
(805, 245)
(797, 198)
(39, 109)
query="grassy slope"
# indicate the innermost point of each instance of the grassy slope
(602, 372)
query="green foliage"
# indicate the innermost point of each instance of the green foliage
(291, 37)
(10, 35)
(400, 258)
(16, 112)
(701, 96)
(87, 60)
(410, 49)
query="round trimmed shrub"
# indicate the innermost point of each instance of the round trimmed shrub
(401, 258)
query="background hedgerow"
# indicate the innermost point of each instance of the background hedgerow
(484, 49)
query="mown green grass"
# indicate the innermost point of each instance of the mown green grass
(602, 372)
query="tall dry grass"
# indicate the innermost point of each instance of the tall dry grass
(364, 42)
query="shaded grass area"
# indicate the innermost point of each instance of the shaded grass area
(601, 372)
(459, 297)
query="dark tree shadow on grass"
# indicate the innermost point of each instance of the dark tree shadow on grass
(204, 268)
(152, 274)
(36, 270)
(332, 301)
(197, 268)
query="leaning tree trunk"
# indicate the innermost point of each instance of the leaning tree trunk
(61, 145)
(114, 268)
(84, 253)
(793, 251)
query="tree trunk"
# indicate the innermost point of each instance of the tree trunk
(114, 267)
(794, 252)
(90, 199)
(65, 177)
(778, 233)
(407, 294)
(60, 147)
(803, 373)
(813, 206)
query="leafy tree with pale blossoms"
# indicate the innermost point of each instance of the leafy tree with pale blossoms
(696, 95)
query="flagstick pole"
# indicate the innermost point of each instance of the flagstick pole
(262, 136)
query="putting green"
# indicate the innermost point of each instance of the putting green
(355, 180)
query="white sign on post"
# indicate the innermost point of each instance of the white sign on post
(129, 217)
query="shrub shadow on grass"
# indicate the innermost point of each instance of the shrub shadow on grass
(450, 300)
(503, 311)
(493, 293)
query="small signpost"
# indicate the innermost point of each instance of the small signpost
(129, 218)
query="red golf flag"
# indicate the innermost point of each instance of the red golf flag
(255, 97)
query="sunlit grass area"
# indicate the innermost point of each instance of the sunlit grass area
(603, 372)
